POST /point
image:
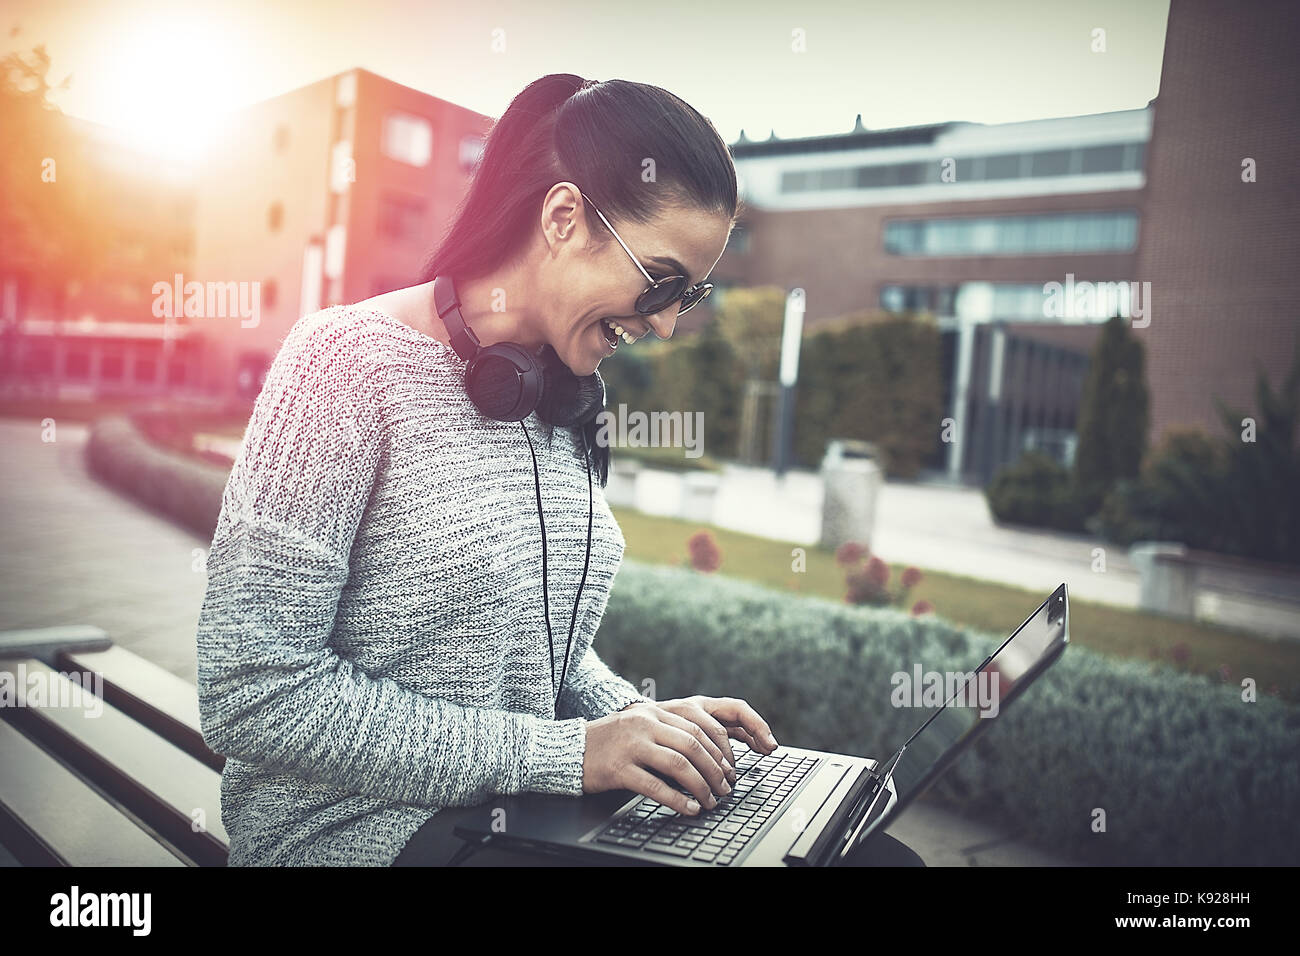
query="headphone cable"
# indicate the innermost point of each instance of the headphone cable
(546, 604)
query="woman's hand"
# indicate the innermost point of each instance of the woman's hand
(651, 748)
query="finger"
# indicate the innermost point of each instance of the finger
(741, 734)
(716, 731)
(709, 762)
(679, 768)
(642, 781)
(733, 710)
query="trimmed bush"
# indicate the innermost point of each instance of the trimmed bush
(1036, 490)
(874, 378)
(1113, 415)
(1185, 771)
(1235, 493)
(182, 488)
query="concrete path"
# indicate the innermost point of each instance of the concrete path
(75, 552)
(940, 527)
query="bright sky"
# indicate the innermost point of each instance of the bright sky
(164, 70)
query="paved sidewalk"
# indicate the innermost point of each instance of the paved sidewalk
(75, 552)
(940, 527)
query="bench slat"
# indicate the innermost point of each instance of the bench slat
(78, 828)
(157, 698)
(155, 779)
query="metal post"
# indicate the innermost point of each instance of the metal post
(791, 335)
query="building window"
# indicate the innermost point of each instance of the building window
(280, 138)
(275, 216)
(400, 217)
(1006, 166)
(77, 364)
(1014, 235)
(937, 300)
(471, 151)
(738, 242)
(111, 367)
(145, 370)
(1055, 162)
(1103, 159)
(408, 139)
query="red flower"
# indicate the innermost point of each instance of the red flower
(922, 607)
(863, 590)
(850, 552)
(911, 577)
(705, 554)
(877, 572)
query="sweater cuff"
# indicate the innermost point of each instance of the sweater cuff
(553, 759)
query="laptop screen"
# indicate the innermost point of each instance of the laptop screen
(976, 700)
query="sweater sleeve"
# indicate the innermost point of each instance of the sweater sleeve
(592, 690)
(272, 691)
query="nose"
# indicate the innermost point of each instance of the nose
(664, 321)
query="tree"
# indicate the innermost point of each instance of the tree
(752, 322)
(1113, 416)
(44, 187)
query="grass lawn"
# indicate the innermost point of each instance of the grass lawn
(988, 606)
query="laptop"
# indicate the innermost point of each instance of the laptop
(793, 807)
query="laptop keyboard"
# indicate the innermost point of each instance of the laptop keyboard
(718, 835)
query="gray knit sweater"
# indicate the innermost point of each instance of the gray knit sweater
(372, 645)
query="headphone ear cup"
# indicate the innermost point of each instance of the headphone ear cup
(504, 382)
(568, 400)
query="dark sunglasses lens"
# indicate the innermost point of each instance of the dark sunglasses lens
(659, 298)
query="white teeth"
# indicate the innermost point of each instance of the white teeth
(618, 330)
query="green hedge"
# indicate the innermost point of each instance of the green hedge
(1186, 772)
(877, 378)
(182, 488)
(1036, 491)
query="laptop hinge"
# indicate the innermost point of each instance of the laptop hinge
(822, 833)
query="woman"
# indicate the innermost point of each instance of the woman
(370, 650)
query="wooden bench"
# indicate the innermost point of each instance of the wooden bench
(104, 763)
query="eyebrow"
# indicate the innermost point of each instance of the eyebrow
(673, 264)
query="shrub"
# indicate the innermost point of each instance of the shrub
(871, 378)
(182, 488)
(867, 580)
(1131, 737)
(1225, 494)
(1179, 496)
(1113, 416)
(1036, 490)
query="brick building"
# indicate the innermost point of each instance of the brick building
(1221, 254)
(328, 194)
(968, 223)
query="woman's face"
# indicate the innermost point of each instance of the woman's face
(593, 282)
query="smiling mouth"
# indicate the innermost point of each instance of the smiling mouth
(613, 332)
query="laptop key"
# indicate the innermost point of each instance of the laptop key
(674, 850)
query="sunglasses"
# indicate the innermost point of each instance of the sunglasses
(662, 292)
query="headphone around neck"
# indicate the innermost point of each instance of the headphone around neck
(507, 383)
